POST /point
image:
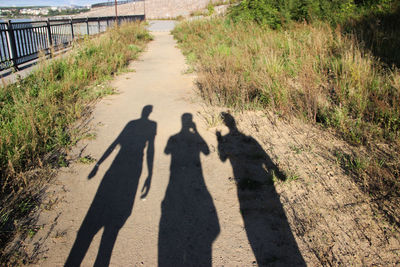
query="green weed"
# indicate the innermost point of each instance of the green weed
(33, 231)
(296, 149)
(210, 8)
(350, 162)
(87, 159)
(62, 162)
(291, 176)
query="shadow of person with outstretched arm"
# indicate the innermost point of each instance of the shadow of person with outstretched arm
(113, 202)
(266, 225)
(189, 222)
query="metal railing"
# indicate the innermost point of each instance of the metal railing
(112, 3)
(21, 42)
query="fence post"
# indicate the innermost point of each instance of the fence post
(98, 23)
(72, 29)
(144, 9)
(49, 37)
(87, 25)
(12, 45)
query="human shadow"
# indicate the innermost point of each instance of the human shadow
(189, 222)
(266, 225)
(113, 202)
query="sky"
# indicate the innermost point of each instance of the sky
(49, 2)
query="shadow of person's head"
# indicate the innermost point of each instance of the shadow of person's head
(187, 122)
(228, 120)
(146, 111)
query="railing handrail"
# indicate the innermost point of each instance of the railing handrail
(22, 44)
(67, 19)
(103, 4)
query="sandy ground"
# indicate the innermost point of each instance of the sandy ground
(159, 81)
(215, 196)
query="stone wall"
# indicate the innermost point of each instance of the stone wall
(135, 8)
(172, 8)
(155, 9)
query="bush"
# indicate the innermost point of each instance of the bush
(276, 13)
(261, 11)
(379, 32)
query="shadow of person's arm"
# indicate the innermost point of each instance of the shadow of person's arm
(103, 158)
(203, 145)
(150, 160)
(168, 148)
(221, 153)
(270, 165)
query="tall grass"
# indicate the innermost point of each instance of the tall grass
(38, 112)
(309, 71)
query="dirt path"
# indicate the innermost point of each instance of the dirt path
(158, 81)
(211, 200)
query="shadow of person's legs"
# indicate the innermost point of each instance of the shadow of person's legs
(106, 246)
(113, 203)
(189, 221)
(88, 230)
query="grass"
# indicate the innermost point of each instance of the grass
(296, 149)
(87, 160)
(38, 113)
(310, 71)
(379, 33)
(209, 10)
(351, 163)
(198, 13)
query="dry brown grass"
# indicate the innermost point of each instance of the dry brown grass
(310, 71)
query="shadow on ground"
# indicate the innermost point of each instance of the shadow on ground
(189, 222)
(113, 202)
(265, 222)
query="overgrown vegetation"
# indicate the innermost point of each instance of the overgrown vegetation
(378, 32)
(318, 69)
(210, 7)
(37, 114)
(373, 22)
(276, 13)
(308, 70)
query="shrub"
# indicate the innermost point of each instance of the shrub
(276, 13)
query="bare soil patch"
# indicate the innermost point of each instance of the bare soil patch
(334, 222)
